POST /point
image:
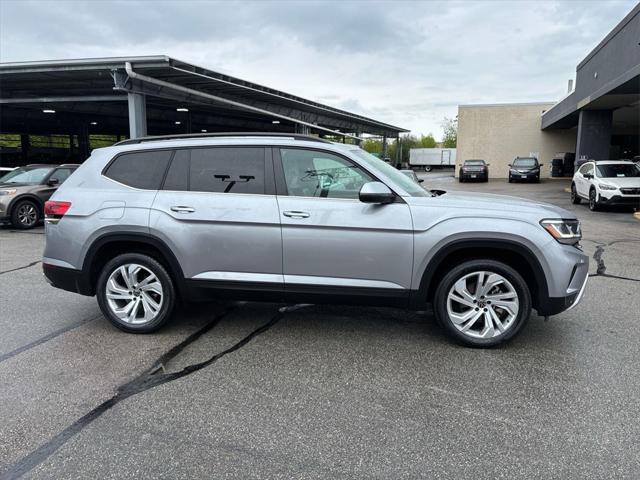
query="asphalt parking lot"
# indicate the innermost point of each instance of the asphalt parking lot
(260, 391)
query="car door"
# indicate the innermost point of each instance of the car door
(332, 242)
(218, 213)
(46, 189)
(583, 183)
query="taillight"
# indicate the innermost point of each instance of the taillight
(56, 209)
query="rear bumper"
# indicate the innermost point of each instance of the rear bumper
(524, 177)
(67, 279)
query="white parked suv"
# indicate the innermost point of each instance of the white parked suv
(607, 182)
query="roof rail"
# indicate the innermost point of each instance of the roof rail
(186, 136)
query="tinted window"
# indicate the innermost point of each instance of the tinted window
(618, 170)
(178, 174)
(310, 173)
(61, 174)
(227, 170)
(474, 162)
(140, 169)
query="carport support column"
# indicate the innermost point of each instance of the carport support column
(137, 115)
(24, 146)
(594, 134)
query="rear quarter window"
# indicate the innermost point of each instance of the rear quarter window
(143, 170)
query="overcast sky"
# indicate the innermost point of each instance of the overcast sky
(409, 64)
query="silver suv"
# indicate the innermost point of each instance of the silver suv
(150, 221)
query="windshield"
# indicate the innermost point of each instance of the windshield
(409, 186)
(474, 162)
(26, 175)
(618, 170)
(525, 162)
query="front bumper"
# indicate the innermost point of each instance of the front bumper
(524, 177)
(632, 201)
(480, 175)
(577, 284)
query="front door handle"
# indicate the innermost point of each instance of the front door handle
(182, 209)
(296, 214)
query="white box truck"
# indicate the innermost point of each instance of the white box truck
(429, 158)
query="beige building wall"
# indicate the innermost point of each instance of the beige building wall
(499, 133)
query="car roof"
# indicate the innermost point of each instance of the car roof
(612, 162)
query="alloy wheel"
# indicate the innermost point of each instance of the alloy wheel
(27, 214)
(483, 304)
(134, 294)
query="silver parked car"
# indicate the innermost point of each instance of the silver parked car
(299, 219)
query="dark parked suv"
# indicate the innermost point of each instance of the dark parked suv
(24, 191)
(525, 169)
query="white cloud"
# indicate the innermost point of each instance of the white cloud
(408, 64)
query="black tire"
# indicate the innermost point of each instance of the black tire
(470, 266)
(25, 214)
(461, 179)
(510, 179)
(594, 206)
(428, 168)
(575, 198)
(168, 292)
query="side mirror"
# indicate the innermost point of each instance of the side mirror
(488, 164)
(509, 165)
(420, 180)
(53, 182)
(376, 192)
(541, 165)
(587, 175)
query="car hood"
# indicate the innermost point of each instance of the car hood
(621, 181)
(488, 204)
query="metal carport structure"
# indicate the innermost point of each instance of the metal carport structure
(156, 95)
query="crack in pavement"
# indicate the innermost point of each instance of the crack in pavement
(21, 268)
(46, 338)
(148, 379)
(601, 268)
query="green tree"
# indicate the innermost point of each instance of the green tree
(428, 141)
(372, 145)
(450, 129)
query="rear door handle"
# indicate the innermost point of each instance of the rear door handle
(296, 214)
(182, 209)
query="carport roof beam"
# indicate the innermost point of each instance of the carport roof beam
(161, 83)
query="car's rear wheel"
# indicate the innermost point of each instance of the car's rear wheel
(482, 303)
(593, 200)
(510, 179)
(25, 214)
(135, 293)
(575, 198)
(427, 168)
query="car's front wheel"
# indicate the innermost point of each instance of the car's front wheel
(25, 214)
(135, 293)
(575, 198)
(482, 303)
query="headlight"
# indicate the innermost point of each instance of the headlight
(564, 231)
(604, 186)
(8, 192)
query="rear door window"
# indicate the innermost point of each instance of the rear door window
(143, 170)
(227, 170)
